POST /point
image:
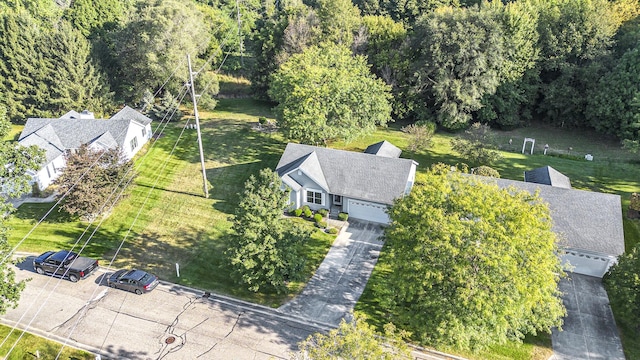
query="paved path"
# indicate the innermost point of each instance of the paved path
(589, 330)
(339, 281)
(29, 199)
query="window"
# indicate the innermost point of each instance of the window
(144, 132)
(314, 197)
(134, 143)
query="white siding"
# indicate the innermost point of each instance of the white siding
(135, 131)
(47, 174)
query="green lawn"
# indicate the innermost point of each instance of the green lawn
(166, 219)
(14, 133)
(613, 170)
(30, 345)
(174, 223)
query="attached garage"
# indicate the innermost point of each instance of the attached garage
(369, 211)
(587, 264)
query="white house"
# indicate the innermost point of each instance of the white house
(128, 129)
(360, 184)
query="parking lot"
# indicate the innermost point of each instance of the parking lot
(171, 322)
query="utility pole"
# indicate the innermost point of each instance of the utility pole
(195, 113)
(240, 44)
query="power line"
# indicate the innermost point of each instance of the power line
(159, 173)
(77, 241)
(112, 204)
(131, 227)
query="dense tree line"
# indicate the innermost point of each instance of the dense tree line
(81, 54)
(565, 62)
(570, 63)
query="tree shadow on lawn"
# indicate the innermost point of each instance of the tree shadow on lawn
(200, 257)
(35, 212)
(87, 243)
(228, 183)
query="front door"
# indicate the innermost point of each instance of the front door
(337, 200)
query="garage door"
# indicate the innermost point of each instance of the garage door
(586, 264)
(368, 211)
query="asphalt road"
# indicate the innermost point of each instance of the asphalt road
(118, 324)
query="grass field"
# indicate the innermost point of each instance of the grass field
(14, 133)
(613, 170)
(32, 345)
(166, 219)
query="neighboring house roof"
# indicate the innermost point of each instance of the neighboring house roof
(351, 174)
(47, 139)
(75, 132)
(548, 176)
(131, 114)
(383, 148)
(586, 220)
(85, 114)
(70, 132)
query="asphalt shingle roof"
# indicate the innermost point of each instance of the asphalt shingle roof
(586, 220)
(47, 139)
(131, 114)
(69, 132)
(75, 132)
(356, 175)
(383, 148)
(548, 176)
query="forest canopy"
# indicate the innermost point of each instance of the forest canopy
(569, 63)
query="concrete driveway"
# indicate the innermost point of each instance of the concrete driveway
(589, 330)
(338, 283)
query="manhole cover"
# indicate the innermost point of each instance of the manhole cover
(170, 339)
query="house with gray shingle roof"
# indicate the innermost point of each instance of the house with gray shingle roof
(360, 184)
(589, 224)
(128, 130)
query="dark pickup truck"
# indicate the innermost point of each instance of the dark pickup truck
(65, 264)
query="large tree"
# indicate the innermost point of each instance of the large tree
(23, 68)
(326, 93)
(93, 180)
(623, 286)
(614, 108)
(94, 18)
(405, 11)
(575, 35)
(356, 340)
(74, 82)
(470, 264)
(16, 161)
(153, 44)
(461, 55)
(264, 252)
(13, 182)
